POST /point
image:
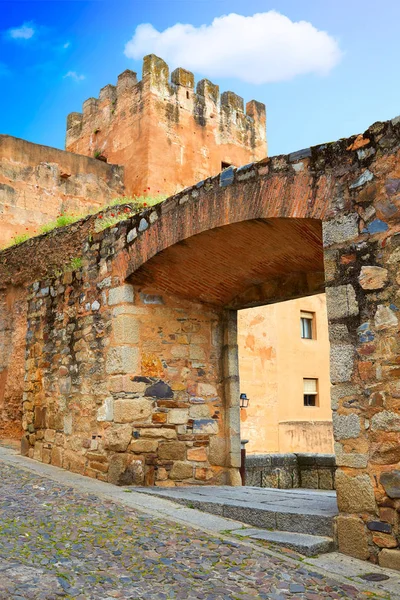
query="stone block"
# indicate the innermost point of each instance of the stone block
(124, 469)
(390, 559)
(122, 359)
(341, 362)
(346, 426)
(181, 470)
(217, 451)
(158, 432)
(385, 421)
(308, 479)
(390, 480)
(178, 416)
(106, 410)
(341, 302)
(123, 383)
(373, 278)
(57, 456)
(37, 452)
(68, 424)
(341, 229)
(355, 494)
(352, 537)
(117, 437)
(142, 446)
(385, 317)
(199, 411)
(130, 410)
(206, 389)
(126, 329)
(121, 295)
(384, 540)
(203, 473)
(325, 479)
(379, 526)
(350, 459)
(172, 451)
(197, 454)
(205, 426)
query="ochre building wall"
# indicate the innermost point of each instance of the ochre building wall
(273, 360)
(38, 183)
(167, 134)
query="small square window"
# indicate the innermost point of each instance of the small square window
(225, 165)
(307, 325)
(310, 392)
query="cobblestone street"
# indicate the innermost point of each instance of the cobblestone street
(56, 542)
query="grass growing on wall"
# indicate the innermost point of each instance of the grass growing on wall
(138, 203)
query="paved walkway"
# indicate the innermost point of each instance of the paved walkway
(62, 535)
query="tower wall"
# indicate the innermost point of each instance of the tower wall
(167, 132)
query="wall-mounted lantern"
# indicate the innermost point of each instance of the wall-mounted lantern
(244, 401)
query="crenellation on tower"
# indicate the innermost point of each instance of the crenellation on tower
(158, 128)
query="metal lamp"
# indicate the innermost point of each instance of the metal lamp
(244, 401)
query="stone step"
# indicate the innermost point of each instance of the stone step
(309, 545)
(311, 514)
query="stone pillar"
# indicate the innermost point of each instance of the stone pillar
(230, 359)
(361, 265)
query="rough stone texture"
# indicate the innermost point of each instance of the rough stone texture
(132, 410)
(373, 278)
(385, 421)
(352, 537)
(391, 482)
(390, 559)
(346, 426)
(341, 302)
(117, 437)
(385, 317)
(355, 494)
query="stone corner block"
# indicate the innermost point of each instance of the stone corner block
(120, 295)
(355, 494)
(341, 302)
(122, 359)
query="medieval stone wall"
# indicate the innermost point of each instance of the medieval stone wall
(38, 183)
(353, 188)
(13, 327)
(167, 134)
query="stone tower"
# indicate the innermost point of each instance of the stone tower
(166, 133)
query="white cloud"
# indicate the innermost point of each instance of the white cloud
(74, 75)
(25, 32)
(263, 48)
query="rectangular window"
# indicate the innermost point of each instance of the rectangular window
(310, 392)
(307, 325)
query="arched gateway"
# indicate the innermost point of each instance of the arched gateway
(131, 371)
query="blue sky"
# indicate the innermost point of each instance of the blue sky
(55, 54)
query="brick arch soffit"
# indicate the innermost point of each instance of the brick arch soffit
(267, 194)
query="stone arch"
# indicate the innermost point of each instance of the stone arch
(353, 188)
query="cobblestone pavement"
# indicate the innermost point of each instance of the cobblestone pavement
(56, 542)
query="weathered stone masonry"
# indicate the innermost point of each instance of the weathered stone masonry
(131, 371)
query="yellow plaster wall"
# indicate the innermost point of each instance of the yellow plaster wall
(273, 360)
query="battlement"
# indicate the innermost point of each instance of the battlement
(166, 119)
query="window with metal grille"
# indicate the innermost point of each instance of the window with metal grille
(310, 392)
(307, 325)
